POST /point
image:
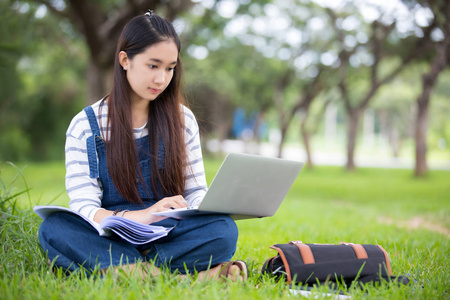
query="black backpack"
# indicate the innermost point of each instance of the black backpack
(311, 264)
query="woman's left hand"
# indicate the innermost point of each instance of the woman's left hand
(146, 216)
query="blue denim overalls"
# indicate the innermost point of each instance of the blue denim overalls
(195, 243)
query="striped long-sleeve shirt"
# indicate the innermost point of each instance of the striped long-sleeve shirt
(85, 193)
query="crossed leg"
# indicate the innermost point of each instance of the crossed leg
(233, 271)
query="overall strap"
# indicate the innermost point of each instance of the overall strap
(90, 142)
(92, 120)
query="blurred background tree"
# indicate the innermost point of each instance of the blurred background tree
(440, 9)
(43, 67)
(254, 69)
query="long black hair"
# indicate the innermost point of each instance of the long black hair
(165, 118)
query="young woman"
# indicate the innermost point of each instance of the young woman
(134, 153)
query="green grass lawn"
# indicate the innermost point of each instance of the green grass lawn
(409, 217)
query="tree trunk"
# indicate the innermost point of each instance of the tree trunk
(306, 141)
(282, 140)
(283, 117)
(99, 82)
(423, 101)
(353, 122)
(222, 116)
(421, 139)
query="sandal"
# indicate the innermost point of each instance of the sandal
(225, 271)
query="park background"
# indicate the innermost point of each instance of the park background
(358, 90)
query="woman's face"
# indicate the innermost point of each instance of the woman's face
(150, 72)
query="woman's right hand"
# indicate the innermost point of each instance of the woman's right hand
(162, 205)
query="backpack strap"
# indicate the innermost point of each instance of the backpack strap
(360, 252)
(386, 256)
(305, 251)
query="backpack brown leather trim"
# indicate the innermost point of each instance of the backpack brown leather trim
(386, 256)
(285, 263)
(306, 253)
(359, 251)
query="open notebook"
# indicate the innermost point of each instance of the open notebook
(246, 186)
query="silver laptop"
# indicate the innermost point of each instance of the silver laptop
(246, 186)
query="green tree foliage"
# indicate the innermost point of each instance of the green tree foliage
(13, 35)
(42, 82)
